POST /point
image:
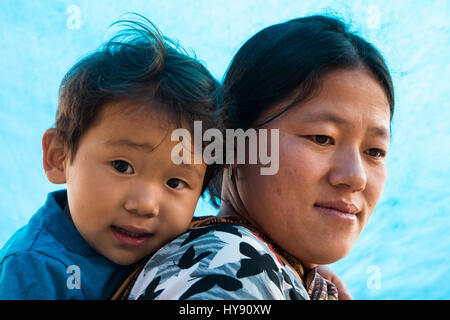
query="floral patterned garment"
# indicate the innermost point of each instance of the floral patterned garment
(223, 258)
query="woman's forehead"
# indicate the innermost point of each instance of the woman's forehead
(346, 84)
(350, 94)
(345, 98)
(353, 89)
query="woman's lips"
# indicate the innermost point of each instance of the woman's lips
(130, 235)
(340, 205)
(342, 212)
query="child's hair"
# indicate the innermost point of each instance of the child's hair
(141, 65)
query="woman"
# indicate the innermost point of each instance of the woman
(330, 95)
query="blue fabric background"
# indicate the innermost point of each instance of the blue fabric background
(404, 251)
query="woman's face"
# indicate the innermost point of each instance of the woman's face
(332, 169)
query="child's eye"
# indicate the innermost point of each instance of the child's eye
(321, 139)
(376, 153)
(122, 166)
(176, 184)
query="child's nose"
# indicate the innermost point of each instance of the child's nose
(143, 202)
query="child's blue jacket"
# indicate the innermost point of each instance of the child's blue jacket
(48, 259)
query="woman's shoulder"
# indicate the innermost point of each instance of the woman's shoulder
(220, 261)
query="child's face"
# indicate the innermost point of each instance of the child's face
(126, 197)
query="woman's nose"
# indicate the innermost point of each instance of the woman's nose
(348, 171)
(144, 200)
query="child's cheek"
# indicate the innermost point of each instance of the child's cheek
(95, 193)
(180, 214)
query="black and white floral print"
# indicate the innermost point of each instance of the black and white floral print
(223, 261)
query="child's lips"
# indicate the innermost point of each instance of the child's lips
(133, 230)
(130, 235)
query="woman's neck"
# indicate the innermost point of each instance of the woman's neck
(227, 209)
(231, 205)
(231, 201)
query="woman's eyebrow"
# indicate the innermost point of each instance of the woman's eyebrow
(334, 118)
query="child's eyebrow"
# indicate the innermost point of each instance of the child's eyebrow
(145, 147)
(190, 167)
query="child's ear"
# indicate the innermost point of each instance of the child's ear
(54, 157)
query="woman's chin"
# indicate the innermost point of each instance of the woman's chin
(331, 254)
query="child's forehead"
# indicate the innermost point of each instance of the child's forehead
(132, 121)
(134, 111)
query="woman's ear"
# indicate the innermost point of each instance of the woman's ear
(54, 157)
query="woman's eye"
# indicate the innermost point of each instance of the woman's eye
(176, 184)
(122, 166)
(321, 139)
(376, 153)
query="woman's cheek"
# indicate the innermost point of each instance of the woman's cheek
(376, 180)
(299, 163)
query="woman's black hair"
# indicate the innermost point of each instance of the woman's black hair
(294, 55)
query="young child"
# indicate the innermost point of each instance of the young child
(112, 146)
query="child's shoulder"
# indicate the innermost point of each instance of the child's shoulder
(29, 243)
(30, 265)
(34, 275)
(34, 238)
(33, 260)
